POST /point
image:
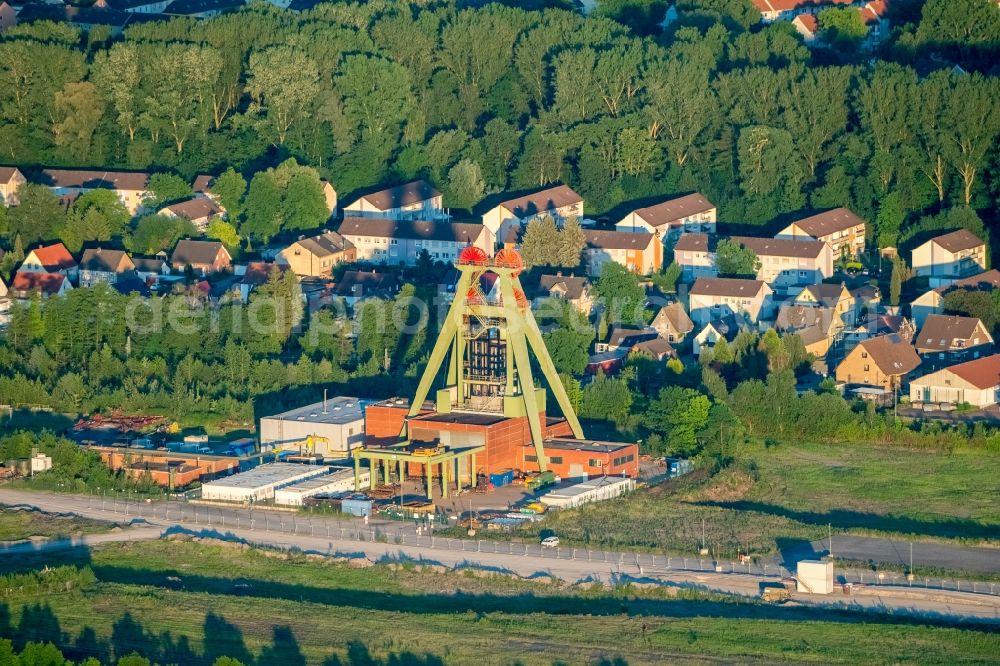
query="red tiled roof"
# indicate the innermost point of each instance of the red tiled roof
(45, 283)
(809, 22)
(54, 257)
(982, 373)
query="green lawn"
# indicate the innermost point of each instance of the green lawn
(22, 524)
(792, 492)
(304, 610)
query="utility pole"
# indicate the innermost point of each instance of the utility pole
(829, 527)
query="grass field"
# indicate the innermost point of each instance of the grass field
(18, 524)
(774, 496)
(302, 610)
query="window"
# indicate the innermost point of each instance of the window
(594, 462)
(556, 460)
(866, 367)
(530, 458)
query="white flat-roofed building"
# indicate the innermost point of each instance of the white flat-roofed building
(260, 483)
(594, 490)
(340, 479)
(337, 427)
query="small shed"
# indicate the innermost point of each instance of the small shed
(814, 577)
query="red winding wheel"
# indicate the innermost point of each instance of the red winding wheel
(473, 255)
(509, 258)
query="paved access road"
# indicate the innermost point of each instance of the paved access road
(971, 559)
(567, 564)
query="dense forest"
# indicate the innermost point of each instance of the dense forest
(499, 98)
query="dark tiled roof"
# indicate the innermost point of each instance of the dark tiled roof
(105, 261)
(957, 241)
(781, 247)
(195, 209)
(544, 200)
(674, 210)
(196, 252)
(361, 283)
(676, 316)
(76, 178)
(940, 333)
(325, 244)
(401, 195)
(734, 287)
(601, 239)
(377, 227)
(892, 354)
(692, 243)
(826, 223)
(573, 287)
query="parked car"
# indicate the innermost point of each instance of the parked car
(550, 542)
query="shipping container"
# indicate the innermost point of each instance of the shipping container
(357, 506)
(504, 478)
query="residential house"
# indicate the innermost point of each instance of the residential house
(607, 362)
(202, 185)
(27, 283)
(875, 325)
(316, 256)
(354, 286)
(949, 339)
(559, 201)
(131, 187)
(672, 323)
(202, 257)
(840, 228)
(411, 201)
(151, 268)
(200, 210)
(390, 241)
(625, 338)
(875, 16)
(882, 364)
(975, 382)
(806, 25)
(84, 18)
(714, 298)
(727, 328)
(8, 19)
(693, 254)
(256, 274)
(53, 258)
(686, 214)
(572, 289)
(932, 302)
(950, 257)
(641, 253)
(329, 195)
(658, 349)
(786, 263)
(818, 327)
(103, 265)
(836, 296)
(11, 179)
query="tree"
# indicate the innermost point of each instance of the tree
(283, 84)
(889, 220)
(896, 280)
(621, 293)
(769, 173)
(230, 187)
(262, 218)
(79, 109)
(569, 349)
(117, 75)
(984, 305)
(572, 241)
(155, 233)
(303, 203)
(166, 188)
(96, 215)
(842, 26)
(606, 399)
(376, 95)
(540, 236)
(38, 215)
(223, 231)
(465, 184)
(679, 413)
(734, 260)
